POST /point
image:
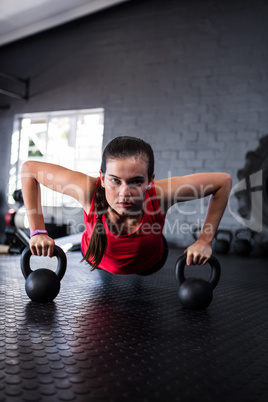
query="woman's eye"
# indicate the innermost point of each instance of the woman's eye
(136, 183)
(115, 181)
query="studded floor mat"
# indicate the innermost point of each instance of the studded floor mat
(127, 338)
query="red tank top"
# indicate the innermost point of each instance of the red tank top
(135, 252)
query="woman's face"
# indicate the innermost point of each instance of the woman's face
(126, 182)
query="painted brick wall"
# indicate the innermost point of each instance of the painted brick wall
(190, 77)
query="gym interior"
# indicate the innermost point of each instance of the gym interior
(190, 78)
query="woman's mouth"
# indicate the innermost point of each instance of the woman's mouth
(125, 204)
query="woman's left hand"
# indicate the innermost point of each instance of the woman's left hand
(198, 253)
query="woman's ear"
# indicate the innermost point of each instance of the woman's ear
(151, 182)
(102, 176)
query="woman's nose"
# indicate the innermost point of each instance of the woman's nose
(125, 191)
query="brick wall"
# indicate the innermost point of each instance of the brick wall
(190, 77)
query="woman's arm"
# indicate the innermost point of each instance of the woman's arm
(57, 178)
(180, 189)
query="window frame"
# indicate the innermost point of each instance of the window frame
(16, 161)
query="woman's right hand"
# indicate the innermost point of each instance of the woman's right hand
(42, 245)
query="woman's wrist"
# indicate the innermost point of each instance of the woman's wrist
(38, 232)
(205, 239)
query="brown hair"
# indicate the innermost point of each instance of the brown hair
(118, 148)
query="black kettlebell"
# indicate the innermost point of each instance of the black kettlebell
(196, 293)
(43, 285)
(259, 247)
(242, 244)
(196, 232)
(223, 239)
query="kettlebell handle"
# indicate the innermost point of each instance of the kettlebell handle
(215, 270)
(247, 232)
(58, 252)
(224, 232)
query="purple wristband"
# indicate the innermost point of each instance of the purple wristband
(38, 232)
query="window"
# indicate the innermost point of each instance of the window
(69, 138)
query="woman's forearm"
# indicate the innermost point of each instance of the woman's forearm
(32, 199)
(215, 211)
(200, 251)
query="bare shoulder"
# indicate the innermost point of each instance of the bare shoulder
(161, 185)
(161, 189)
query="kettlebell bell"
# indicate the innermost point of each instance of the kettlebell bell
(242, 244)
(43, 285)
(196, 293)
(223, 239)
(259, 247)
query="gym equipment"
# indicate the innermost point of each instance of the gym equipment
(9, 217)
(242, 245)
(17, 239)
(43, 285)
(254, 174)
(196, 232)
(196, 293)
(18, 197)
(260, 245)
(223, 239)
(70, 242)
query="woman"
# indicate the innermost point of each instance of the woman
(124, 208)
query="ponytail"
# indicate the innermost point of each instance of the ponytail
(98, 240)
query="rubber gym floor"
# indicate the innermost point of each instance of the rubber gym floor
(127, 338)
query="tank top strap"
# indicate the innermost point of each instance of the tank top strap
(155, 201)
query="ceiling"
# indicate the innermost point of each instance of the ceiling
(21, 18)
